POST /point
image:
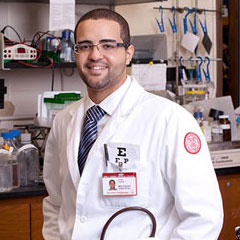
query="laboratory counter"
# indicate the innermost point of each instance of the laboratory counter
(28, 191)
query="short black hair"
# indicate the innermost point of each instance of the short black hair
(104, 13)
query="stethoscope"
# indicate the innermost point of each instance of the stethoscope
(154, 224)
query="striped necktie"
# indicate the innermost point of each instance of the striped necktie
(89, 134)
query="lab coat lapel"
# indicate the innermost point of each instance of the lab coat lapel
(125, 108)
(73, 139)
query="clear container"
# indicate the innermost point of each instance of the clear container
(217, 133)
(11, 148)
(6, 177)
(54, 45)
(28, 157)
(66, 54)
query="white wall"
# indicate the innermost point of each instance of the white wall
(23, 86)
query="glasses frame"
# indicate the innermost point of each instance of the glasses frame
(96, 45)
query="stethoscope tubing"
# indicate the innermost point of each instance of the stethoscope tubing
(154, 224)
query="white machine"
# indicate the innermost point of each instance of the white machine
(19, 52)
(225, 155)
(15, 52)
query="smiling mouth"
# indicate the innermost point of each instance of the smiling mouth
(96, 67)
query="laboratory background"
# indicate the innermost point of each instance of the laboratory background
(186, 51)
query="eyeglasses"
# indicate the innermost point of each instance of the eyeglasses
(103, 47)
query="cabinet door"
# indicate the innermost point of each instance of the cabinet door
(15, 221)
(230, 189)
(37, 220)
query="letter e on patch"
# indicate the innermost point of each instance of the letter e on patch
(192, 143)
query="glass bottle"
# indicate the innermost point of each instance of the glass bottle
(28, 157)
(217, 133)
(226, 127)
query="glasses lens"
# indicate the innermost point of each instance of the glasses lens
(107, 47)
(83, 47)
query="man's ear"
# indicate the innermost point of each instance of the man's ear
(130, 52)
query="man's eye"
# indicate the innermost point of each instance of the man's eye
(108, 46)
(85, 47)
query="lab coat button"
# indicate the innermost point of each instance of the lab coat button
(83, 219)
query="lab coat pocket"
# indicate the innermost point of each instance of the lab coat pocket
(142, 182)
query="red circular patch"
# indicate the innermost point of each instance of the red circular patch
(192, 143)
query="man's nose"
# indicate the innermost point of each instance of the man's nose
(95, 54)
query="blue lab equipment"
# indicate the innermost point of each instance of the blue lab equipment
(194, 25)
(173, 24)
(207, 73)
(185, 27)
(161, 24)
(199, 73)
(204, 25)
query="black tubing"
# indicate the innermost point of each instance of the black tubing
(126, 210)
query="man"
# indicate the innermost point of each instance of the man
(151, 145)
(112, 185)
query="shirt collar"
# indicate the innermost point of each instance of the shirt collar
(110, 103)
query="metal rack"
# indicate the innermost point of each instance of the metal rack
(92, 2)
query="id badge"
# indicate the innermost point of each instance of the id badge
(119, 184)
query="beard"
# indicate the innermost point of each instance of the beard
(103, 80)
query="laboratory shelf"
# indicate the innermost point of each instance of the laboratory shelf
(41, 65)
(91, 2)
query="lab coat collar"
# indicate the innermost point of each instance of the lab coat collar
(131, 98)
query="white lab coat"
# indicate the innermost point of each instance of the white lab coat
(178, 187)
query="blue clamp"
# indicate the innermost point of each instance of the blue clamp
(199, 74)
(161, 24)
(181, 68)
(207, 73)
(185, 27)
(173, 24)
(204, 25)
(194, 25)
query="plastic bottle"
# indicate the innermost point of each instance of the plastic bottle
(66, 54)
(12, 151)
(16, 137)
(54, 48)
(226, 127)
(28, 157)
(6, 178)
(199, 117)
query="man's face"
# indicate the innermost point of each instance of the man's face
(101, 71)
(112, 184)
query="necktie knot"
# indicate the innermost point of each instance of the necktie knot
(95, 113)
